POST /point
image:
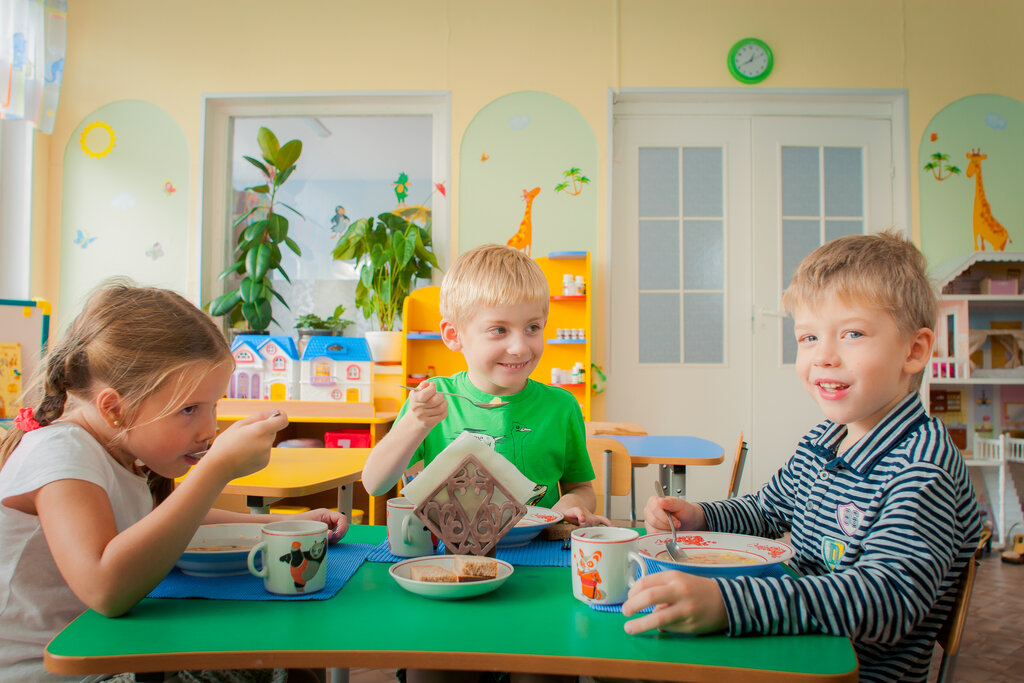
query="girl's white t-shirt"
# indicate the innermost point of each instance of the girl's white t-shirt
(35, 601)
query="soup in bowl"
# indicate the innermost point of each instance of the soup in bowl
(715, 554)
(219, 549)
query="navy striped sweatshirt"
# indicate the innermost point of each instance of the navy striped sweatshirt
(881, 534)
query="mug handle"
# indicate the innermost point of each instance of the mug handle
(251, 561)
(405, 528)
(636, 558)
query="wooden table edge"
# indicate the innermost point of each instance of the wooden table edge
(269, 491)
(390, 659)
(655, 460)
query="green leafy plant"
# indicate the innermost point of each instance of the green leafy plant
(335, 323)
(259, 244)
(389, 250)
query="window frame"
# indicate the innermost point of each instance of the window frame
(219, 113)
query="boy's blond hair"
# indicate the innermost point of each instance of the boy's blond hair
(491, 275)
(882, 271)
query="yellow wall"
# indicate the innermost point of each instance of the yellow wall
(172, 53)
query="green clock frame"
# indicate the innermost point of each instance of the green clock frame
(730, 61)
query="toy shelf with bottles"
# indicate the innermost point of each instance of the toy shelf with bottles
(423, 351)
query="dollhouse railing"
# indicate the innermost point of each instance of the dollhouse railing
(949, 368)
(998, 452)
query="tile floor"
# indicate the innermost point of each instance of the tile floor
(992, 649)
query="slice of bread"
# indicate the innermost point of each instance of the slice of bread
(432, 574)
(472, 567)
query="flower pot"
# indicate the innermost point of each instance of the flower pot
(385, 347)
(306, 332)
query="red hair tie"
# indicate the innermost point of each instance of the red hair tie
(25, 421)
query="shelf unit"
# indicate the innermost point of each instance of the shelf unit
(422, 347)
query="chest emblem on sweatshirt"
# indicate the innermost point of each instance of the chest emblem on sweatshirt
(832, 551)
(849, 517)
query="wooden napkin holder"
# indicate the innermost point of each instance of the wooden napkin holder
(470, 510)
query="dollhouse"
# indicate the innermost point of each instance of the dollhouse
(266, 367)
(337, 369)
(975, 381)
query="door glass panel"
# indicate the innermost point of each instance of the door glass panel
(702, 182)
(658, 244)
(695, 316)
(837, 228)
(704, 327)
(703, 258)
(800, 181)
(844, 182)
(659, 182)
(659, 320)
(842, 197)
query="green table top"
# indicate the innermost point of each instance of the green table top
(531, 623)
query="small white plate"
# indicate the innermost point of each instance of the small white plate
(446, 591)
(210, 557)
(731, 554)
(536, 520)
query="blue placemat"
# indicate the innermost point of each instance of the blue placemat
(343, 559)
(773, 572)
(534, 554)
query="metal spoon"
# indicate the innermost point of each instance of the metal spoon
(478, 404)
(198, 454)
(674, 551)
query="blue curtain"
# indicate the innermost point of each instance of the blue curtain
(32, 45)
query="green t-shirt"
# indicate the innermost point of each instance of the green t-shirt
(541, 431)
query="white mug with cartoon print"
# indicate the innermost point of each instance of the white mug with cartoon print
(294, 557)
(408, 536)
(605, 564)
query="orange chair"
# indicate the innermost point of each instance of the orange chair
(737, 467)
(612, 470)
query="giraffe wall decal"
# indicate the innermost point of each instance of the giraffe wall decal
(522, 239)
(986, 227)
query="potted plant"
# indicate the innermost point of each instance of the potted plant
(390, 251)
(259, 244)
(310, 324)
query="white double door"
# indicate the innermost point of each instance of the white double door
(710, 217)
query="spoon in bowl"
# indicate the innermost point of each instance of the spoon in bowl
(479, 404)
(674, 551)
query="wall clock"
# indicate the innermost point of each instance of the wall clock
(750, 60)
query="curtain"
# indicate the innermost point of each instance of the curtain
(32, 44)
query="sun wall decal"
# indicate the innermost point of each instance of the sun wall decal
(101, 142)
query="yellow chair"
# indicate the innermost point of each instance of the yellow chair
(737, 468)
(953, 630)
(612, 471)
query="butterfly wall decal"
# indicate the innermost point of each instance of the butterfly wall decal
(83, 240)
(155, 252)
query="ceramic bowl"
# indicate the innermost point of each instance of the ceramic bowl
(446, 591)
(219, 550)
(536, 520)
(718, 554)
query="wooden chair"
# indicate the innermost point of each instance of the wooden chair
(612, 470)
(737, 467)
(953, 630)
(619, 429)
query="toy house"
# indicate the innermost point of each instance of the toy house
(266, 367)
(337, 369)
(975, 381)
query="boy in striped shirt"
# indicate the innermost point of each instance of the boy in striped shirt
(877, 498)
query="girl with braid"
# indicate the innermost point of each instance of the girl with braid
(89, 515)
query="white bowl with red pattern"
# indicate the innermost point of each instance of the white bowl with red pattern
(716, 554)
(536, 520)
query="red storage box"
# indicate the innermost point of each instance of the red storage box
(347, 438)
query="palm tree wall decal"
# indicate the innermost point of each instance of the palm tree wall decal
(940, 167)
(578, 180)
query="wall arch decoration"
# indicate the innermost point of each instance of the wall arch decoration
(991, 124)
(519, 142)
(125, 202)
